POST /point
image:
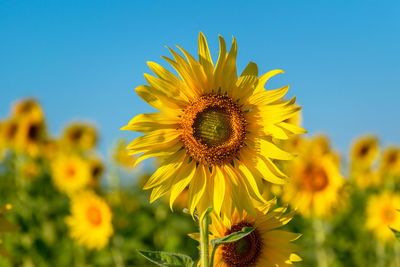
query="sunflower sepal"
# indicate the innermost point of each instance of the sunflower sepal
(167, 259)
(195, 214)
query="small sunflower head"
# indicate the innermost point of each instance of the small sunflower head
(79, 136)
(27, 108)
(90, 220)
(390, 163)
(383, 214)
(364, 152)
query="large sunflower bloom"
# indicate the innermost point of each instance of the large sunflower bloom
(90, 220)
(265, 246)
(316, 184)
(382, 213)
(214, 130)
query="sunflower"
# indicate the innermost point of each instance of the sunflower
(265, 246)
(30, 136)
(390, 163)
(121, 155)
(364, 152)
(8, 133)
(214, 130)
(96, 170)
(90, 221)
(79, 136)
(70, 173)
(315, 186)
(382, 213)
(27, 108)
(367, 178)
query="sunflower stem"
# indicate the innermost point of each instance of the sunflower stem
(212, 256)
(396, 254)
(380, 254)
(319, 234)
(204, 243)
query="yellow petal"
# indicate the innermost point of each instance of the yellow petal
(264, 78)
(292, 128)
(270, 150)
(219, 189)
(196, 188)
(181, 181)
(246, 81)
(166, 171)
(168, 149)
(220, 64)
(270, 96)
(156, 99)
(152, 140)
(148, 122)
(205, 57)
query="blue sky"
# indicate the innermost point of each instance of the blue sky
(83, 59)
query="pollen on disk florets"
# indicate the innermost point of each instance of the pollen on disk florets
(213, 129)
(246, 251)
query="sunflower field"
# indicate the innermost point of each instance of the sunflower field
(229, 178)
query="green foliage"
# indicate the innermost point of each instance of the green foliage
(167, 259)
(396, 233)
(42, 239)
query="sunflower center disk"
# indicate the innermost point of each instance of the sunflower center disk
(315, 178)
(213, 129)
(244, 252)
(94, 215)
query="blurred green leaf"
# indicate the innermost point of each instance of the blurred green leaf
(396, 233)
(167, 259)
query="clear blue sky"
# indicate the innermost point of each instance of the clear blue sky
(83, 59)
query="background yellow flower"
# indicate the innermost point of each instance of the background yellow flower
(382, 213)
(315, 185)
(70, 173)
(90, 220)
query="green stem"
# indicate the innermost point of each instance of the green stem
(396, 254)
(319, 235)
(380, 254)
(212, 256)
(204, 244)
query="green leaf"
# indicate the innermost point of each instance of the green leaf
(396, 233)
(232, 237)
(166, 259)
